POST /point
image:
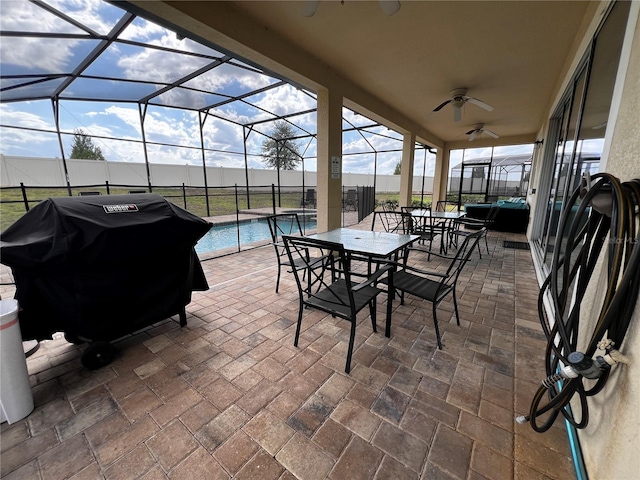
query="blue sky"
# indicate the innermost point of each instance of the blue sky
(115, 126)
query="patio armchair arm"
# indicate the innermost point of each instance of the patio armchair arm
(425, 272)
(469, 221)
(429, 252)
(372, 279)
(447, 257)
(313, 262)
(404, 266)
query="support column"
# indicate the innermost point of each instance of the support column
(406, 169)
(329, 195)
(441, 175)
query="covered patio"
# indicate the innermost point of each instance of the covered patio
(230, 396)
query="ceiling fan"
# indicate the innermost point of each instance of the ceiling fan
(389, 7)
(479, 130)
(458, 99)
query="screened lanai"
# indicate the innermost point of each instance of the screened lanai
(488, 178)
(147, 94)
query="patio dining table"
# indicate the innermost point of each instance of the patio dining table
(426, 213)
(370, 245)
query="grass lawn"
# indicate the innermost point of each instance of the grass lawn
(222, 201)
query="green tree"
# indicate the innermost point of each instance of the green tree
(397, 170)
(280, 150)
(84, 148)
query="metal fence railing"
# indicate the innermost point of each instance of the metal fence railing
(229, 205)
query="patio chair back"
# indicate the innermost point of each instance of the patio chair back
(441, 206)
(434, 286)
(279, 225)
(309, 200)
(392, 221)
(331, 287)
(428, 227)
(474, 224)
(351, 199)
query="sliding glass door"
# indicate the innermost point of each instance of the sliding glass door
(577, 128)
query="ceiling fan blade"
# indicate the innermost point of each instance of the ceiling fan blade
(491, 134)
(471, 131)
(473, 135)
(457, 113)
(439, 107)
(309, 8)
(390, 7)
(479, 103)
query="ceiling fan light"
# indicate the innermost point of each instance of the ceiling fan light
(457, 112)
(309, 8)
(390, 7)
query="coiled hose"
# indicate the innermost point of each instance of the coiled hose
(597, 217)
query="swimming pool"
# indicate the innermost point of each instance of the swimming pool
(226, 235)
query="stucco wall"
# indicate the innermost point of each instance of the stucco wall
(611, 440)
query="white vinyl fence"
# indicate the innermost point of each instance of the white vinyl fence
(50, 172)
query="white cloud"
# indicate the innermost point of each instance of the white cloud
(25, 16)
(156, 66)
(117, 150)
(50, 55)
(34, 55)
(88, 12)
(355, 118)
(284, 100)
(143, 31)
(130, 116)
(19, 118)
(176, 127)
(221, 135)
(96, 130)
(28, 143)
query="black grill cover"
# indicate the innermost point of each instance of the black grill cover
(99, 267)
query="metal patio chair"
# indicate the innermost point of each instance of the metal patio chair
(428, 228)
(285, 224)
(332, 288)
(309, 200)
(392, 221)
(351, 200)
(466, 226)
(434, 286)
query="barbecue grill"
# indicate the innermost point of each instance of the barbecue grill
(100, 267)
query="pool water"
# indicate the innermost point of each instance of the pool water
(225, 236)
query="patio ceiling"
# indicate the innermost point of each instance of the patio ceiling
(511, 55)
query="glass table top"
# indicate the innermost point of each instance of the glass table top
(367, 242)
(432, 214)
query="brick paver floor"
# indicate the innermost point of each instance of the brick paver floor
(229, 396)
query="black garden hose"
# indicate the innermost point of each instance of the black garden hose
(611, 210)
